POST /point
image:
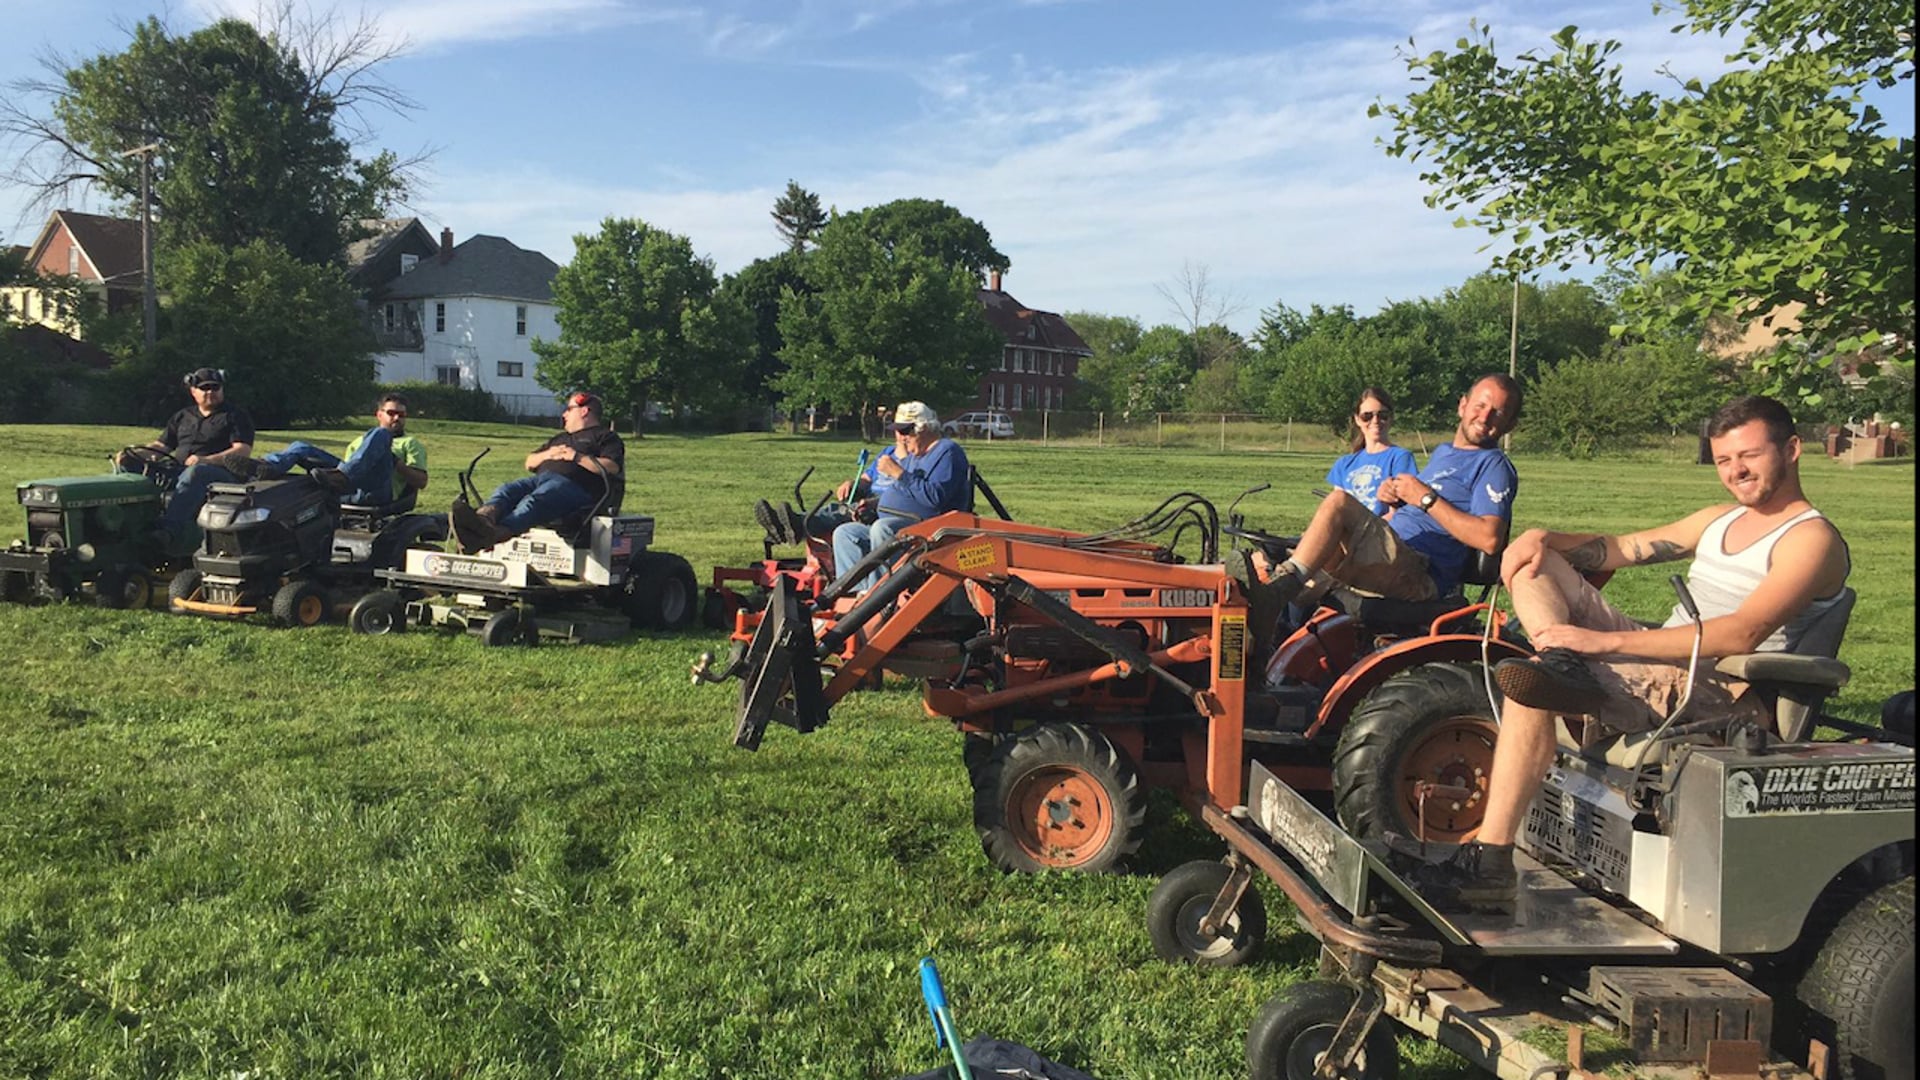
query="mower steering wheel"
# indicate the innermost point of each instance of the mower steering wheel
(1275, 547)
(149, 455)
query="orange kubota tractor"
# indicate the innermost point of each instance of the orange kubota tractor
(1105, 664)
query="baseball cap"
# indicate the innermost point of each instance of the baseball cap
(916, 413)
(581, 397)
(205, 376)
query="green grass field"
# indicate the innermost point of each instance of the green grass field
(233, 851)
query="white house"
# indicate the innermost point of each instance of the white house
(467, 316)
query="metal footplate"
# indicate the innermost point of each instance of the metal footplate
(780, 673)
(1552, 916)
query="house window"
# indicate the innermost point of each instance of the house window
(1033, 398)
(73, 261)
(447, 376)
(520, 320)
(439, 317)
(512, 369)
(1003, 359)
(999, 396)
(408, 261)
(387, 318)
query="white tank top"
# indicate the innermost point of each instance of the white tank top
(1720, 582)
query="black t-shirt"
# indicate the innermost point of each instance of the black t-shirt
(598, 442)
(188, 433)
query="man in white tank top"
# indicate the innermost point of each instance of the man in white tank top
(1764, 566)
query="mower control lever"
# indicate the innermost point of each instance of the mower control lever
(1275, 547)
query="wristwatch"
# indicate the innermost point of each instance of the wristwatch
(1427, 500)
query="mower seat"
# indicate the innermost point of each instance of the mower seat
(1793, 686)
(375, 511)
(1383, 615)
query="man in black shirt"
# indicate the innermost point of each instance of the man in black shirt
(571, 472)
(213, 440)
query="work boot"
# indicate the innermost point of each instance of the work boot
(471, 531)
(1556, 680)
(1266, 600)
(774, 522)
(332, 479)
(1472, 877)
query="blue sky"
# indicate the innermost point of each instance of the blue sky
(1106, 145)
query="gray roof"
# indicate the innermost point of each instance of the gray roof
(480, 266)
(380, 233)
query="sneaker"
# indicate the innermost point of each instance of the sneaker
(1556, 680)
(332, 479)
(471, 531)
(772, 521)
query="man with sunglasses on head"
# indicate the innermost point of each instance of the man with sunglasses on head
(381, 465)
(212, 439)
(579, 468)
(921, 476)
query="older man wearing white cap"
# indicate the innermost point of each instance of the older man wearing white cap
(921, 476)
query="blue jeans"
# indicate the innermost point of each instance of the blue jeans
(854, 541)
(369, 469)
(519, 505)
(189, 495)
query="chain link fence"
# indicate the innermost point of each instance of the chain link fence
(1196, 431)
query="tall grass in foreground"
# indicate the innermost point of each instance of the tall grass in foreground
(228, 850)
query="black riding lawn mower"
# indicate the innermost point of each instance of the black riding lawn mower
(289, 547)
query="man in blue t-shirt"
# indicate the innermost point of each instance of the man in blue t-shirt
(922, 476)
(1462, 500)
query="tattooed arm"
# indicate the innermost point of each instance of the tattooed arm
(1593, 552)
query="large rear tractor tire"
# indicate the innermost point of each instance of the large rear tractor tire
(1858, 992)
(1180, 903)
(184, 586)
(1429, 724)
(1059, 796)
(300, 603)
(661, 593)
(16, 586)
(1293, 1030)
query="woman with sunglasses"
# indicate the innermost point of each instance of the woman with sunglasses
(1373, 457)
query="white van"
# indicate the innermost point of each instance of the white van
(992, 423)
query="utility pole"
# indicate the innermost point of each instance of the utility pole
(1513, 350)
(149, 308)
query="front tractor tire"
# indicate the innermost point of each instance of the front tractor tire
(1431, 724)
(1058, 797)
(300, 603)
(1858, 992)
(1180, 903)
(123, 588)
(379, 612)
(184, 586)
(1292, 1032)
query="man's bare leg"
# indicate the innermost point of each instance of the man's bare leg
(1322, 547)
(1540, 597)
(1521, 757)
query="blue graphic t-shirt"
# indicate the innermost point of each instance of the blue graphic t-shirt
(1359, 473)
(1480, 482)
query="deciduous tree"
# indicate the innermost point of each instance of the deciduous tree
(642, 320)
(894, 314)
(254, 132)
(1776, 182)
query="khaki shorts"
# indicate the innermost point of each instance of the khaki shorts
(1641, 693)
(1378, 561)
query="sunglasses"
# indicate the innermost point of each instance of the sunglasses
(400, 414)
(209, 387)
(903, 429)
(1368, 417)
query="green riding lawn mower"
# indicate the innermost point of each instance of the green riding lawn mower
(93, 535)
